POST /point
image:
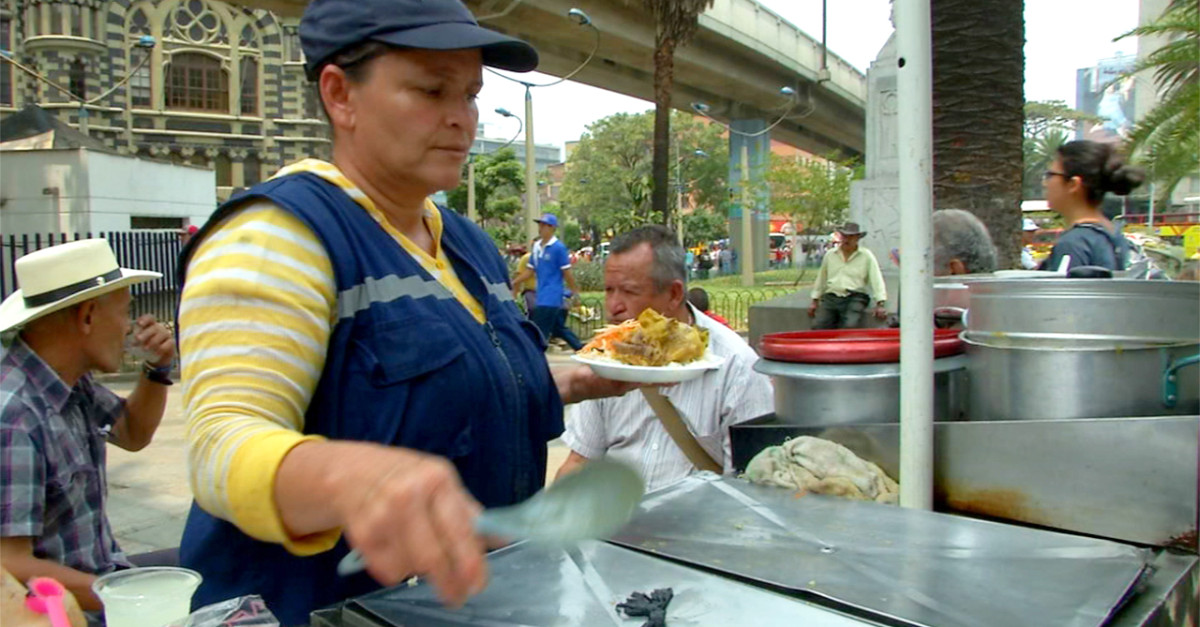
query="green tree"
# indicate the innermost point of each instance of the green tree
(1039, 153)
(675, 23)
(815, 193)
(571, 235)
(1167, 138)
(499, 179)
(1044, 116)
(608, 182)
(700, 167)
(499, 221)
(704, 225)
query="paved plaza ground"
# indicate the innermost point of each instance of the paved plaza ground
(148, 492)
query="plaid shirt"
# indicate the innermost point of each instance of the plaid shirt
(52, 455)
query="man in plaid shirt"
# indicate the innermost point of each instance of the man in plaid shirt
(72, 316)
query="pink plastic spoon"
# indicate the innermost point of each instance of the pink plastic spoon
(46, 597)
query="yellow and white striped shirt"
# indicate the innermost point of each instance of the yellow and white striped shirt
(255, 319)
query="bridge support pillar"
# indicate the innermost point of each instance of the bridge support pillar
(749, 133)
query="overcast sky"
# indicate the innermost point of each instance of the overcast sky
(1061, 36)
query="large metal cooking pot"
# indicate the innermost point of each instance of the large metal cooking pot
(1043, 379)
(844, 394)
(952, 290)
(1118, 310)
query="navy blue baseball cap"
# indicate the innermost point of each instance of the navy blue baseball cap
(332, 26)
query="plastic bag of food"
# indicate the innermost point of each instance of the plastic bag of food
(247, 611)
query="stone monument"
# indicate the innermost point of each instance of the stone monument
(875, 200)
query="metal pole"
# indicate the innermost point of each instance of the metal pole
(745, 257)
(1150, 218)
(531, 198)
(915, 83)
(679, 193)
(472, 213)
(824, 42)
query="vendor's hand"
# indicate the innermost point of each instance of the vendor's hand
(412, 516)
(812, 309)
(580, 384)
(881, 312)
(156, 339)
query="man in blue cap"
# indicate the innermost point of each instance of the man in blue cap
(550, 261)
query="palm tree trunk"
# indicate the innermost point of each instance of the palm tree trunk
(978, 111)
(664, 79)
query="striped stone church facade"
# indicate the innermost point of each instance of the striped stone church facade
(222, 88)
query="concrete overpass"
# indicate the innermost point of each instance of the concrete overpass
(741, 56)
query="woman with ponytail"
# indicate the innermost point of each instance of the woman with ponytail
(1075, 186)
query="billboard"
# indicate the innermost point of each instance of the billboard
(1102, 92)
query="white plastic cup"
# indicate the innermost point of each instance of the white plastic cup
(146, 597)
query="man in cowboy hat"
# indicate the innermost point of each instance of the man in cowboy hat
(71, 316)
(848, 279)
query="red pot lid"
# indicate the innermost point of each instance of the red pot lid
(849, 346)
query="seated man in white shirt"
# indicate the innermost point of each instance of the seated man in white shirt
(645, 268)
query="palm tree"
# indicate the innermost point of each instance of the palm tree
(1166, 140)
(1040, 152)
(675, 23)
(978, 104)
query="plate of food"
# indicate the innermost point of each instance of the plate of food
(650, 349)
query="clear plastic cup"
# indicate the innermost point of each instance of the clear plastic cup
(146, 597)
(134, 349)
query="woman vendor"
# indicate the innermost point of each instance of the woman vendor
(357, 374)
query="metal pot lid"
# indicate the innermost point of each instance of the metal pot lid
(1188, 291)
(854, 372)
(849, 346)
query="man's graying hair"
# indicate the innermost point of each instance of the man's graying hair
(958, 234)
(668, 254)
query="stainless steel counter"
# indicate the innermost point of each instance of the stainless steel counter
(910, 566)
(740, 554)
(533, 585)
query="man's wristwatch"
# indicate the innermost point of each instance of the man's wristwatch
(157, 374)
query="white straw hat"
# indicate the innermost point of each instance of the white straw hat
(60, 276)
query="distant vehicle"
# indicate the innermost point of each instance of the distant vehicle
(777, 240)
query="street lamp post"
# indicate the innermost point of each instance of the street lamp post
(531, 197)
(679, 159)
(472, 212)
(745, 258)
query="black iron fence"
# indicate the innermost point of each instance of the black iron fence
(157, 251)
(732, 305)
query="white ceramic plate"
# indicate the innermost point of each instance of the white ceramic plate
(652, 374)
(1026, 274)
